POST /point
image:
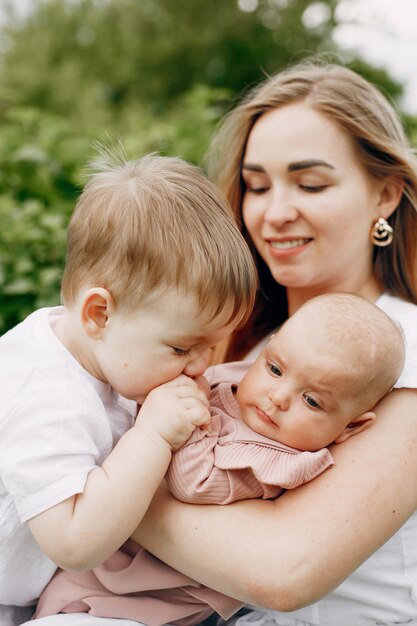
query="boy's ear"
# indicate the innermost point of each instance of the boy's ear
(390, 196)
(356, 426)
(96, 308)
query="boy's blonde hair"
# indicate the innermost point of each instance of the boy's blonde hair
(142, 227)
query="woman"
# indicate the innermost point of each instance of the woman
(311, 162)
(317, 169)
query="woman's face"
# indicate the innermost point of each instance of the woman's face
(309, 205)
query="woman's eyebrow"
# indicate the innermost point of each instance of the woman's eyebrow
(304, 165)
(292, 167)
(253, 168)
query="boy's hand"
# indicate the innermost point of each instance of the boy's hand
(174, 410)
(203, 384)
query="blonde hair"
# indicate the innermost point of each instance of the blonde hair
(365, 115)
(364, 336)
(142, 227)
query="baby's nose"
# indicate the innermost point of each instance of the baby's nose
(281, 398)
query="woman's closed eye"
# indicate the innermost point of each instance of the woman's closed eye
(313, 188)
(257, 190)
(256, 183)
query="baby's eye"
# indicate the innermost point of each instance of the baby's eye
(311, 402)
(181, 351)
(274, 369)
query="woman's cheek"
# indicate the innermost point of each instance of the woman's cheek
(251, 215)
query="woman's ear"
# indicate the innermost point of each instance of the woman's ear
(356, 426)
(390, 196)
(96, 307)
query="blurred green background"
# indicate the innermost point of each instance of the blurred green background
(158, 74)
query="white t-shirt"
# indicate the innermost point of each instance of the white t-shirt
(383, 590)
(57, 423)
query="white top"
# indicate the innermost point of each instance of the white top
(383, 590)
(57, 423)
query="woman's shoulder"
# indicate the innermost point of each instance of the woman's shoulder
(398, 308)
(405, 313)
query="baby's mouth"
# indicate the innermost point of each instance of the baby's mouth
(264, 416)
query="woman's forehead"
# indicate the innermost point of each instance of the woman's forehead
(296, 128)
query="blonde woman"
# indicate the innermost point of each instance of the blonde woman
(324, 183)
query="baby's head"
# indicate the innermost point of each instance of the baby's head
(156, 272)
(322, 373)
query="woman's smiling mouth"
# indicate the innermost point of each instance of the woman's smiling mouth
(288, 244)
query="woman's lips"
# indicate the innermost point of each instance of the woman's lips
(287, 244)
(287, 247)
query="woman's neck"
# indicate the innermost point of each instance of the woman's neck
(297, 297)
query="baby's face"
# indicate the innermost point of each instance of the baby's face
(300, 391)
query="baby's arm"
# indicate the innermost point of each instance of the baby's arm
(222, 466)
(85, 529)
(194, 475)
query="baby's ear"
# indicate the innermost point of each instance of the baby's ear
(356, 426)
(96, 307)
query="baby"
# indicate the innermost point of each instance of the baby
(310, 386)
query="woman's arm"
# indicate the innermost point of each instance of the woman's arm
(286, 553)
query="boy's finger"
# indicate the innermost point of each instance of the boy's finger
(180, 381)
(203, 384)
(206, 426)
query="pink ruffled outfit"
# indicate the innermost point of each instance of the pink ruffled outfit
(230, 463)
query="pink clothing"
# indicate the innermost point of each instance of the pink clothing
(133, 584)
(230, 463)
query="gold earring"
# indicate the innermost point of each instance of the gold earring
(382, 234)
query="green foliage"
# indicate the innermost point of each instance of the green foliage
(118, 51)
(39, 157)
(156, 74)
(42, 162)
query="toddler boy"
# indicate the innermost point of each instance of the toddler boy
(156, 274)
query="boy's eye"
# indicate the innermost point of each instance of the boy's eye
(274, 369)
(311, 402)
(181, 351)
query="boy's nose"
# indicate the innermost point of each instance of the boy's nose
(198, 365)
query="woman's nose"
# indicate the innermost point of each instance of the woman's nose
(280, 208)
(198, 365)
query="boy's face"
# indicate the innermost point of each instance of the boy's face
(300, 391)
(156, 344)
